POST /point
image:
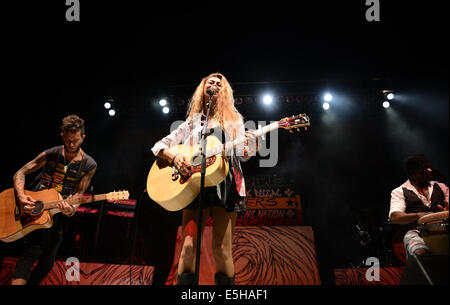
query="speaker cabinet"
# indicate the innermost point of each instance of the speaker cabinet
(435, 267)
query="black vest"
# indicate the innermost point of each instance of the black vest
(415, 205)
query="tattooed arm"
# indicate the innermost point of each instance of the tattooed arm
(19, 180)
(82, 187)
(85, 181)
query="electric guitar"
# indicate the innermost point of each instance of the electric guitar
(174, 192)
(15, 223)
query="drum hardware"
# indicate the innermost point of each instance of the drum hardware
(425, 273)
(364, 236)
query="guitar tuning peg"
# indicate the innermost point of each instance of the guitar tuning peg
(290, 130)
(306, 128)
(298, 129)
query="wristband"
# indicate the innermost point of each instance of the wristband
(173, 159)
(74, 210)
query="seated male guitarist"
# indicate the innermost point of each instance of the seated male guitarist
(69, 170)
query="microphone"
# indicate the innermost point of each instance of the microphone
(212, 90)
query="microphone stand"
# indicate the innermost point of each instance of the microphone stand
(202, 186)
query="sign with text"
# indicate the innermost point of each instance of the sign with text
(274, 203)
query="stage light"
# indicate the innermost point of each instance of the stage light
(163, 102)
(386, 104)
(388, 94)
(327, 97)
(165, 110)
(112, 112)
(107, 105)
(326, 106)
(267, 99)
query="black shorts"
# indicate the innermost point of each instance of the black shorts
(232, 202)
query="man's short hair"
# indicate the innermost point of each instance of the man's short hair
(72, 123)
(414, 163)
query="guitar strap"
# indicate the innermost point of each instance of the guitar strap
(79, 171)
(54, 168)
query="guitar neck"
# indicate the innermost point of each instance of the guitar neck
(225, 149)
(75, 201)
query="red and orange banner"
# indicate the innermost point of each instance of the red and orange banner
(264, 203)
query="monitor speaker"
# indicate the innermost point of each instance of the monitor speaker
(426, 270)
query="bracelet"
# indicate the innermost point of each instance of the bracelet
(173, 159)
(74, 210)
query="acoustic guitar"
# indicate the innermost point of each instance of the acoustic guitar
(15, 223)
(173, 191)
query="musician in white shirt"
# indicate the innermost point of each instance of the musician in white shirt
(416, 197)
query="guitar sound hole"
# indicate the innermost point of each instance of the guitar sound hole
(38, 207)
(27, 218)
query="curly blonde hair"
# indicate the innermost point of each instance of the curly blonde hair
(223, 110)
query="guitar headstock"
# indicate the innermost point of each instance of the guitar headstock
(296, 121)
(116, 196)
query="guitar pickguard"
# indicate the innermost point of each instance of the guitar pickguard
(197, 169)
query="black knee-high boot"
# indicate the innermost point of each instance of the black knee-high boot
(223, 279)
(186, 278)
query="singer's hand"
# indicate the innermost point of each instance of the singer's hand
(182, 165)
(251, 143)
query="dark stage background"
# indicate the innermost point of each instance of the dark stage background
(344, 166)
